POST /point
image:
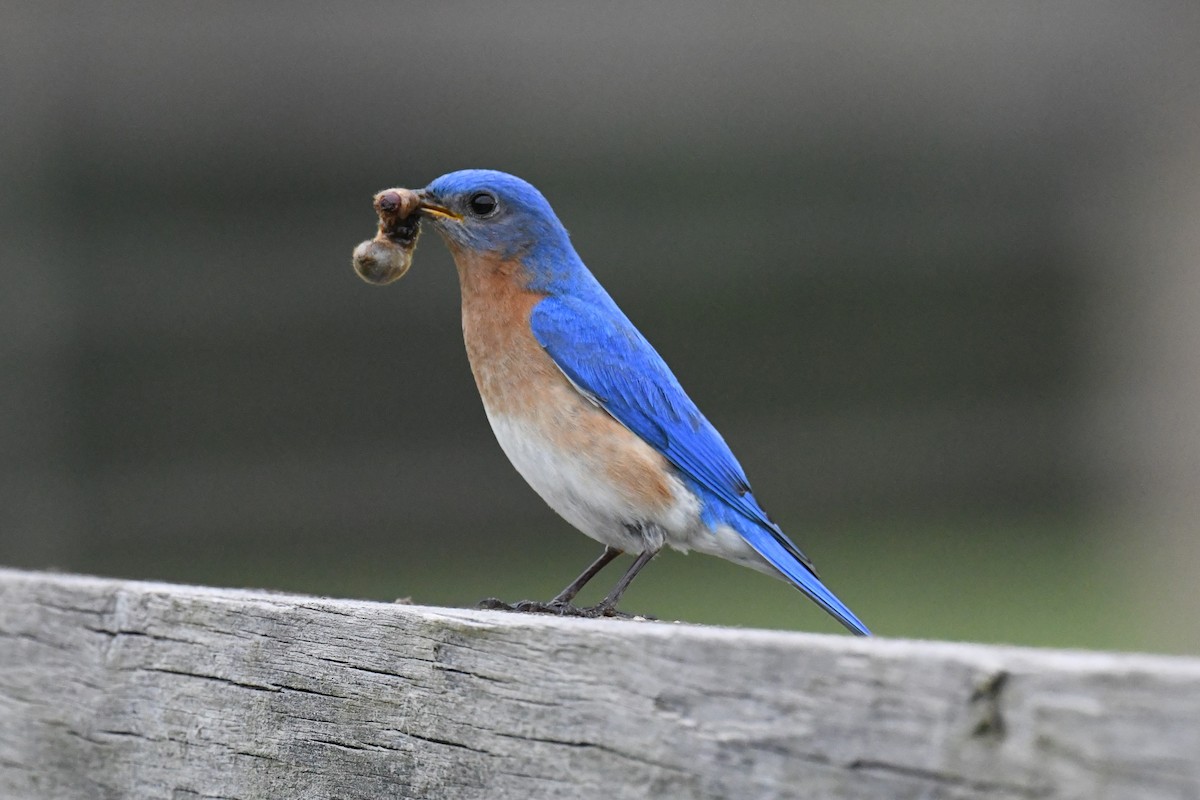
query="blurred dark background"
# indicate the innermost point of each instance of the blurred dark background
(930, 267)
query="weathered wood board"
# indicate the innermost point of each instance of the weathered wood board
(119, 689)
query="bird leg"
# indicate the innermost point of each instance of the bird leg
(608, 606)
(561, 604)
(568, 594)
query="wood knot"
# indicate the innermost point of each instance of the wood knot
(985, 706)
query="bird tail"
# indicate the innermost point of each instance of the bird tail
(770, 548)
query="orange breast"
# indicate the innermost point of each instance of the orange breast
(519, 381)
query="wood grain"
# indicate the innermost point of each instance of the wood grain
(139, 690)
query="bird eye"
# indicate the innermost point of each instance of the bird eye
(483, 204)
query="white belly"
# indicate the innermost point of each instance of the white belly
(576, 484)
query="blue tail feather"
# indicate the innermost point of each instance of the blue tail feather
(769, 548)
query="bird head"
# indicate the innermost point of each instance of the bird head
(495, 215)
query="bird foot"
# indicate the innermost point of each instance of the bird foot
(558, 608)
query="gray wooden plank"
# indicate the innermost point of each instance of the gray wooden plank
(127, 689)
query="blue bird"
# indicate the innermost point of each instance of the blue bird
(584, 407)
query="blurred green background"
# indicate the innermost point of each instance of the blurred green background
(930, 267)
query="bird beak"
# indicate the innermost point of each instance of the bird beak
(435, 210)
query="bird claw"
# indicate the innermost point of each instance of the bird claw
(558, 608)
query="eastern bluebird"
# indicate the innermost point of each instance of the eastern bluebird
(583, 406)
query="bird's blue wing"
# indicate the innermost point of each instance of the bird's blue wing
(609, 360)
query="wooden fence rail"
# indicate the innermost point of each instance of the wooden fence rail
(120, 689)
